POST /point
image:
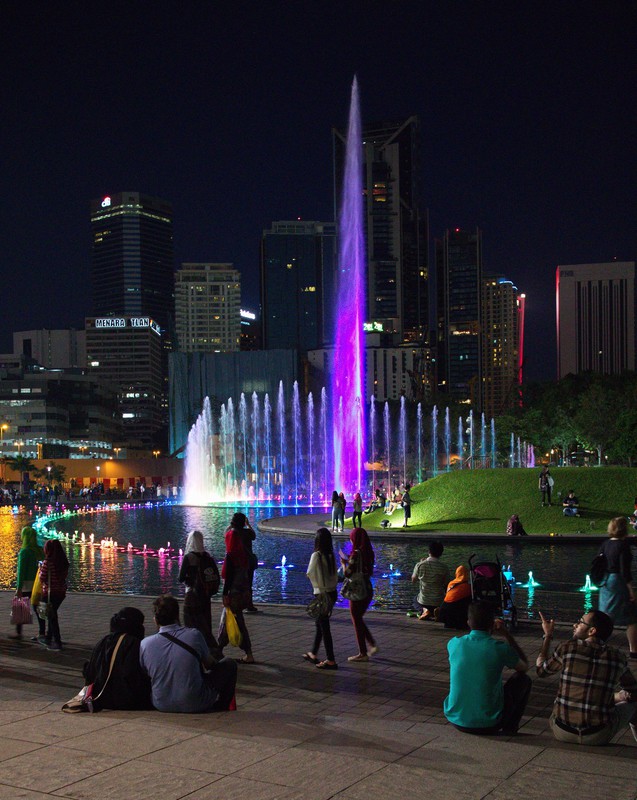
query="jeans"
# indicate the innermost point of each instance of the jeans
(516, 694)
(357, 515)
(324, 632)
(53, 625)
(357, 609)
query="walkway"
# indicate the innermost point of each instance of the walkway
(367, 732)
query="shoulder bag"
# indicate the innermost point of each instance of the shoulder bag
(355, 586)
(83, 700)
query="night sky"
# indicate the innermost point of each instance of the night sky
(528, 119)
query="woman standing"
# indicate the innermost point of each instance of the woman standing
(616, 593)
(236, 585)
(53, 573)
(335, 507)
(361, 560)
(406, 504)
(200, 574)
(357, 513)
(342, 505)
(545, 485)
(322, 573)
(28, 558)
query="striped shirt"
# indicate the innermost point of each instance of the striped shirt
(590, 674)
(433, 577)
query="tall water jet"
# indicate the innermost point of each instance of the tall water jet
(448, 438)
(403, 437)
(483, 441)
(347, 374)
(372, 434)
(310, 444)
(387, 444)
(434, 441)
(419, 418)
(493, 445)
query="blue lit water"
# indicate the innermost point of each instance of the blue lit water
(560, 569)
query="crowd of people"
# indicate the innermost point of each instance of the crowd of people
(182, 668)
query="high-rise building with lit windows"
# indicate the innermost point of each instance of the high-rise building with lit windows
(502, 333)
(208, 308)
(595, 318)
(297, 285)
(132, 256)
(395, 226)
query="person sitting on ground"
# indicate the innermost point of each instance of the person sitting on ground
(433, 577)
(477, 701)
(515, 527)
(127, 687)
(377, 502)
(453, 609)
(175, 659)
(570, 505)
(395, 501)
(588, 709)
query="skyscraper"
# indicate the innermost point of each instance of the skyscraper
(595, 306)
(502, 342)
(459, 301)
(207, 308)
(297, 274)
(396, 228)
(132, 256)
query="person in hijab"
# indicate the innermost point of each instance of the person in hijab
(454, 608)
(200, 574)
(128, 687)
(29, 557)
(53, 573)
(237, 590)
(361, 559)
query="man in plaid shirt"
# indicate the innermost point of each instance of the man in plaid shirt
(588, 709)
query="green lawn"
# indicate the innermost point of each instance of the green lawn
(481, 501)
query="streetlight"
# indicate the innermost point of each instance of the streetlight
(19, 445)
(116, 450)
(156, 453)
(3, 428)
(98, 473)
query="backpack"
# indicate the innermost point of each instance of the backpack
(207, 581)
(599, 568)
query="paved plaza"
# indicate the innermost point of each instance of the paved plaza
(367, 731)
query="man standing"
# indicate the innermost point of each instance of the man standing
(588, 709)
(432, 576)
(175, 659)
(477, 701)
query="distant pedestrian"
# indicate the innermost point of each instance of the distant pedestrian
(357, 513)
(200, 574)
(236, 586)
(342, 504)
(335, 507)
(406, 504)
(545, 485)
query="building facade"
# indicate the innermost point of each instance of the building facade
(502, 334)
(57, 349)
(595, 310)
(395, 226)
(208, 308)
(297, 284)
(126, 352)
(459, 304)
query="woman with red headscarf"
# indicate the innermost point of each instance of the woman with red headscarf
(361, 560)
(236, 584)
(53, 573)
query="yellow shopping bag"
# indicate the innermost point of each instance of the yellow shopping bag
(234, 634)
(36, 592)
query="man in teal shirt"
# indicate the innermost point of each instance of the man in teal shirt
(477, 701)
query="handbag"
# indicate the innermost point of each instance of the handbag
(83, 700)
(21, 611)
(355, 587)
(36, 592)
(599, 568)
(320, 605)
(43, 610)
(232, 628)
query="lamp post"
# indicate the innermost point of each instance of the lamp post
(19, 445)
(156, 453)
(98, 474)
(116, 450)
(3, 428)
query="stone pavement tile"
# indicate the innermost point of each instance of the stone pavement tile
(10, 747)
(217, 754)
(538, 783)
(271, 725)
(308, 768)
(417, 784)
(137, 780)
(461, 754)
(389, 746)
(53, 768)
(233, 788)
(14, 793)
(55, 727)
(134, 738)
(585, 760)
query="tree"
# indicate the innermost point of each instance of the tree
(53, 473)
(24, 466)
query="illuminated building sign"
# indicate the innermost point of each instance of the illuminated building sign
(106, 202)
(247, 314)
(373, 327)
(132, 322)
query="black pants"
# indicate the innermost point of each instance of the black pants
(53, 625)
(223, 679)
(357, 515)
(324, 632)
(516, 694)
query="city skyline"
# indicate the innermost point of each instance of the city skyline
(525, 115)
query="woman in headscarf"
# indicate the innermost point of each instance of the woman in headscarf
(29, 557)
(453, 609)
(53, 573)
(200, 574)
(362, 560)
(237, 593)
(128, 687)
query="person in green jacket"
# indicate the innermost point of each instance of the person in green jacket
(28, 563)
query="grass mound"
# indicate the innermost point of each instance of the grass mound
(481, 501)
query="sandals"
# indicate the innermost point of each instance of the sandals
(310, 657)
(326, 665)
(359, 657)
(246, 660)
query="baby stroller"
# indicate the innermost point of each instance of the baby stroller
(488, 582)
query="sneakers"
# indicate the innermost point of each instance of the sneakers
(38, 639)
(54, 646)
(358, 657)
(373, 650)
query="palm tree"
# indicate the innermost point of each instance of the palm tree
(24, 466)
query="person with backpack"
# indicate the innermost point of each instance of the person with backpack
(200, 573)
(617, 596)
